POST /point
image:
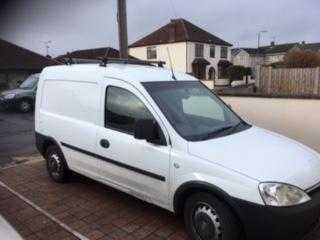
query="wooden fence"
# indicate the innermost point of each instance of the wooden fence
(296, 82)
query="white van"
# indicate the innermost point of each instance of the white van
(170, 141)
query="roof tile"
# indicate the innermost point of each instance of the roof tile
(94, 53)
(179, 30)
(13, 57)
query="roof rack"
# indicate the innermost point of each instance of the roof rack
(104, 61)
(70, 61)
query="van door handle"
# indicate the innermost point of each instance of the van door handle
(104, 143)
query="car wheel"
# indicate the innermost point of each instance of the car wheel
(56, 165)
(25, 106)
(208, 218)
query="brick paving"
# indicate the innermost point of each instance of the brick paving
(92, 209)
(28, 222)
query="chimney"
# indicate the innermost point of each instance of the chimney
(272, 43)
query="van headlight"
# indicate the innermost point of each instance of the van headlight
(282, 195)
(9, 96)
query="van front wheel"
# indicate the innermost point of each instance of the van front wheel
(208, 218)
(56, 165)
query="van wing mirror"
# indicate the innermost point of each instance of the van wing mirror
(149, 130)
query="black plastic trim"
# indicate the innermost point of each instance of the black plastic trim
(278, 223)
(119, 164)
(199, 186)
(42, 140)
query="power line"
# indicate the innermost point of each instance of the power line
(173, 8)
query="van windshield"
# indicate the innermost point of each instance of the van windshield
(193, 110)
(29, 83)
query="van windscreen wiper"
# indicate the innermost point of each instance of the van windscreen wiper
(219, 130)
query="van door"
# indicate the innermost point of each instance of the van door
(139, 167)
(69, 114)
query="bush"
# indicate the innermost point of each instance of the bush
(235, 72)
(301, 59)
(223, 67)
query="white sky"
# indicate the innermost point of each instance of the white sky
(79, 24)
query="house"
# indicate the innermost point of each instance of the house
(252, 57)
(243, 56)
(192, 49)
(17, 63)
(94, 53)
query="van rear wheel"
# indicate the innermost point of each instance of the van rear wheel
(208, 218)
(56, 165)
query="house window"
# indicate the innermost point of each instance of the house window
(152, 52)
(199, 48)
(224, 52)
(212, 51)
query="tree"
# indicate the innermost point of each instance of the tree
(298, 58)
(237, 72)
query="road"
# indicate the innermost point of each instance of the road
(16, 136)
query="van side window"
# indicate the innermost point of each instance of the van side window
(123, 108)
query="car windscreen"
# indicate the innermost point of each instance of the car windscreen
(193, 110)
(29, 83)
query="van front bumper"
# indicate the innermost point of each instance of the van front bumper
(292, 223)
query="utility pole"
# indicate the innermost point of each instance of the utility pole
(123, 31)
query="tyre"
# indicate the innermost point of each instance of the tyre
(25, 106)
(56, 165)
(208, 218)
